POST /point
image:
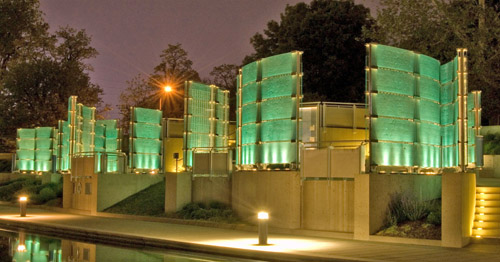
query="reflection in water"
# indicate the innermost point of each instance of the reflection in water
(25, 247)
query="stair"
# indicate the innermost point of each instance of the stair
(487, 216)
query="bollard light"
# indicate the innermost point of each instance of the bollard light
(263, 217)
(23, 201)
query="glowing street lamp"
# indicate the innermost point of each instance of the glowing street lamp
(263, 217)
(167, 89)
(22, 205)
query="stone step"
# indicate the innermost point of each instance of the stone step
(487, 203)
(486, 224)
(488, 209)
(494, 190)
(488, 196)
(487, 217)
(486, 232)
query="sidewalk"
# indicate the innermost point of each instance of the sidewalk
(232, 242)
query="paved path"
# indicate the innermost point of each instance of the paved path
(232, 242)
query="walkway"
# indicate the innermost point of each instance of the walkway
(232, 242)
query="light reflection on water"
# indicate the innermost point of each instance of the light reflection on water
(22, 247)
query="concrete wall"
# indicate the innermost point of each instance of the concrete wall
(113, 188)
(328, 205)
(491, 166)
(277, 192)
(177, 191)
(458, 204)
(373, 193)
(209, 189)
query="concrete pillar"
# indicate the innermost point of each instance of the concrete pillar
(458, 204)
(361, 206)
(177, 191)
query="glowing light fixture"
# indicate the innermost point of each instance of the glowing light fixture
(263, 218)
(22, 205)
(167, 89)
(21, 248)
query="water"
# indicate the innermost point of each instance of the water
(23, 247)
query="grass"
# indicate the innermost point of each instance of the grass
(148, 202)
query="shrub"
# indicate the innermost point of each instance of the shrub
(403, 207)
(215, 211)
(47, 194)
(414, 209)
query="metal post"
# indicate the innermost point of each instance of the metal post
(22, 205)
(263, 218)
(240, 77)
(369, 102)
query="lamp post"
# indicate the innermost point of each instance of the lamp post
(263, 217)
(167, 89)
(22, 205)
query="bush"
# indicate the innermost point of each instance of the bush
(414, 209)
(46, 194)
(215, 211)
(403, 207)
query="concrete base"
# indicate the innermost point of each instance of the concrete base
(210, 189)
(177, 191)
(277, 192)
(372, 194)
(458, 203)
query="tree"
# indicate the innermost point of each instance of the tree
(437, 28)
(40, 70)
(224, 76)
(330, 34)
(174, 69)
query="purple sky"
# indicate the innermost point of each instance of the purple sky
(130, 35)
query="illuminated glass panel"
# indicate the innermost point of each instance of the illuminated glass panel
(146, 143)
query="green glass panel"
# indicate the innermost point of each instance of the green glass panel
(44, 143)
(198, 140)
(279, 64)
(249, 133)
(392, 57)
(428, 88)
(447, 72)
(393, 81)
(44, 132)
(384, 104)
(220, 128)
(250, 72)
(88, 112)
(249, 154)
(146, 161)
(144, 145)
(393, 130)
(87, 126)
(450, 156)
(447, 93)
(109, 123)
(250, 93)
(25, 154)
(279, 86)
(278, 153)
(220, 141)
(448, 114)
(112, 133)
(428, 66)
(26, 133)
(43, 166)
(250, 113)
(278, 130)
(145, 115)
(428, 111)
(111, 145)
(100, 130)
(25, 164)
(471, 154)
(448, 135)
(199, 124)
(392, 154)
(278, 108)
(428, 156)
(470, 101)
(428, 134)
(25, 143)
(145, 130)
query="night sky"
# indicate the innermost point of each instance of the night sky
(130, 35)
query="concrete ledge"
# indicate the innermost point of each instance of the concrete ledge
(402, 240)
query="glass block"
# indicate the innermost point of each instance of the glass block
(278, 108)
(427, 110)
(392, 57)
(250, 113)
(44, 132)
(145, 115)
(279, 64)
(389, 129)
(25, 143)
(198, 124)
(448, 72)
(250, 93)
(392, 154)
(146, 161)
(279, 86)
(25, 165)
(384, 104)
(278, 153)
(428, 66)
(44, 143)
(428, 134)
(448, 114)
(428, 89)
(278, 130)
(393, 81)
(428, 156)
(144, 145)
(249, 154)
(146, 130)
(249, 133)
(250, 72)
(43, 166)
(25, 154)
(26, 133)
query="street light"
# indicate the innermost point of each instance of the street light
(167, 89)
